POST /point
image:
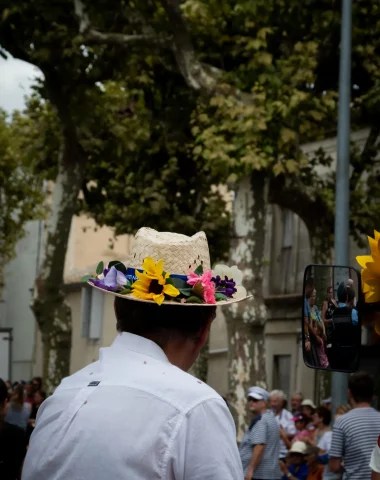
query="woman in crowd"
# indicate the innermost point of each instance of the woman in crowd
(39, 398)
(317, 333)
(328, 307)
(17, 411)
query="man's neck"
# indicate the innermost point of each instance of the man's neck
(362, 405)
(278, 412)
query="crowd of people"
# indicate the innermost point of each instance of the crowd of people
(308, 442)
(332, 329)
(19, 404)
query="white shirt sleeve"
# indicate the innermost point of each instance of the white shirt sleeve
(375, 460)
(205, 446)
(325, 442)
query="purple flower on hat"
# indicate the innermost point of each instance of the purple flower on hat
(100, 284)
(225, 286)
(114, 279)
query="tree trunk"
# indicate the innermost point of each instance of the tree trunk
(245, 320)
(52, 312)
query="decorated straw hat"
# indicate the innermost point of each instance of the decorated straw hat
(170, 268)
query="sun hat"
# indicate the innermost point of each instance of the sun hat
(144, 276)
(308, 403)
(258, 393)
(298, 447)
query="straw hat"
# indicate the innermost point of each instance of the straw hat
(298, 447)
(190, 281)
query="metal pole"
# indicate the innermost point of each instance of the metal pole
(342, 196)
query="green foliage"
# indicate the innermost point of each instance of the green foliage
(21, 193)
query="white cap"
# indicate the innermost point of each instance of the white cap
(308, 403)
(327, 400)
(258, 393)
(298, 447)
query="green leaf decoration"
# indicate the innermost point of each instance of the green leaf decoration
(220, 297)
(169, 281)
(186, 292)
(118, 265)
(100, 268)
(86, 278)
(199, 270)
(126, 291)
(179, 283)
(194, 300)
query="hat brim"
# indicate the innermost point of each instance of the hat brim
(221, 303)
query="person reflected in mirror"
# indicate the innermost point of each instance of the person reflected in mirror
(350, 284)
(317, 332)
(312, 340)
(328, 307)
(350, 302)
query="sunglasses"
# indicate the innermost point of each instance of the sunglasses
(251, 399)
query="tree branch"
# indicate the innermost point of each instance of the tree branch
(95, 37)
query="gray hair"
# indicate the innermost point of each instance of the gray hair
(278, 393)
(299, 394)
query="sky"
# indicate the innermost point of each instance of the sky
(16, 78)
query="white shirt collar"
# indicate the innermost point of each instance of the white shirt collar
(128, 341)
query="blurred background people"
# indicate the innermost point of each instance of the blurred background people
(12, 442)
(295, 466)
(284, 420)
(17, 411)
(39, 398)
(296, 402)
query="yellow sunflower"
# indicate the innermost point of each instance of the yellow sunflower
(151, 283)
(371, 270)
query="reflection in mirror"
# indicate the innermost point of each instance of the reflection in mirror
(331, 324)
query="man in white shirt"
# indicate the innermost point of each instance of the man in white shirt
(284, 419)
(135, 414)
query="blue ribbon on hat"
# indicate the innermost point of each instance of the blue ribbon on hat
(131, 273)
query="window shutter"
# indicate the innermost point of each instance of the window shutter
(96, 317)
(85, 311)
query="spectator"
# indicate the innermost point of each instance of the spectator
(295, 467)
(297, 399)
(29, 393)
(315, 469)
(327, 402)
(17, 410)
(284, 420)
(37, 383)
(39, 398)
(341, 410)
(261, 443)
(12, 443)
(300, 422)
(375, 462)
(308, 409)
(356, 432)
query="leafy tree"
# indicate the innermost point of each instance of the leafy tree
(20, 193)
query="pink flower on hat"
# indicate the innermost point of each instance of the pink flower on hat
(205, 281)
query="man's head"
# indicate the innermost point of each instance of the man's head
(181, 331)
(257, 400)
(296, 401)
(361, 388)
(3, 396)
(350, 296)
(277, 400)
(312, 455)
(342, 293)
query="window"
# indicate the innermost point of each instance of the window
(281, 373)
(286, 254)
(92, 313)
